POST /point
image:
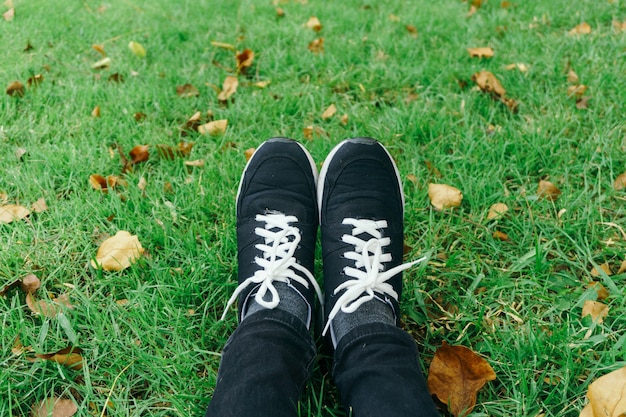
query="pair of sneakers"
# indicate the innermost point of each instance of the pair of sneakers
(357, 203)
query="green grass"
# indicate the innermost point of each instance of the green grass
(517, 302)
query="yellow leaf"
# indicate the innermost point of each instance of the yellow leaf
(329, 112)
(118, 252)
(314, 24)
(497, 210)
(137, 49)
(12, 212)
(214, 128)
(223, 45)
(104, 62)
(248, 153)
(582, 29)
(483, 52)
(576, 90)
(228, 88)
(607, 395)
(444, 196)
(316, 46)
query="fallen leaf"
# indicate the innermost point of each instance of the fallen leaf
(412, 30)
(455, 376)
(142, 184)
(9, 14)
(582, 29)
(103, 63)
(15, 89)
(98, 182)
(138, 154)
(139, 116)
(35, 80)
(620, 182)
(572, 77)
(118, 252)
(137, 49)
(69, 356)
(576, 90)
(344, 119)
(214, 128)
(519, 66)
(483, 52)
(607, 395)
(310, 132)
(394, 18)
(116, 77)
(547, 190)
(20, 152)
(11, 212)
(18, 349)
(99, 48)
(187, 90)
(95, 112)
(223, 45)
(8, 286)
(314, 24)
(248, 153)
(228, 88)
(473, 9)
(605, 267)
(280, 12)
(55, 407)
(496, 211)
(244, 60)
(262, 84)
(619, 26)
(46, 308)
(30, 283)
(597, 310)
(583, 102)
(195, 163)
(40, 205)
(602, 292)
(444, 196)
(501, 236)
(488, 83)
(329, 112)
(316, 46)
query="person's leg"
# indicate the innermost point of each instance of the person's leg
(268, 359)
(376, 364)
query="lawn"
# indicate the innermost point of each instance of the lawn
(398, 71)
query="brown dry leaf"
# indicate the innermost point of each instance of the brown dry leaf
(40, 205)
(244, 60)
(482, 52)
(619, 26)
(187, 90)
(582, 29)
(118, 252)
(11, 212)
(229, 87)
(473, 9)
(142, 184)
(597, 310)
(55, 407)
(576, 90)
(605, 267)
(607, 396)
(488, 83)
(20, 152)
(214, 128)
(519, 66)
(262, 84)
(103, 63)
(583, 102)
(139, 154)
(15, 89)
(35, 80)
(248, 153)
(412, 178)
(69, 356)
(139, 116)
(95, 112)
(46, 308)
(497, 210)
(602, 292)
(99, 48)
(223, 45)
(98, 182)
(280, 12)
(412, 30)
(444, 196)
(9, 14)
(314, 24)
(30, 283)
(195, 163)
(316, 46)
(310, 132)
(620, 182)
(501, 236)
(547, 190)
(329, 112)
(572, 77)
(18, 349)
(344, 119)
(455, 376)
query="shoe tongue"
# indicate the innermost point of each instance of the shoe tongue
(289, 204)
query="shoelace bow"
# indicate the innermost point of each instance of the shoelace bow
(368, 269)
(277, 262)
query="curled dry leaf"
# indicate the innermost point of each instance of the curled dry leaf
(139, 153)
(69, 356)
(582, 29)
(316, 46)
(519, 66)
(548, 191)
(248, 153)
(30, 283)
(314, 24)
(187, 90)
(497, 210)
(607, 395)
(15, 89)
(344, 119)
(137, 49)
(229, 87)
(214, 128)
(11, 212)
(46, 308)
(444, 196)
(620, 182)
(482, 52)
(455, 376)
(329, 112)
(597, 310)
(118, 252)
(244, 60)
(142, 184)
(55, 407)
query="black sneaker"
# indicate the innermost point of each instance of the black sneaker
(361, 217)
(276, 225)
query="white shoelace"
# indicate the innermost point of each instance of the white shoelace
(278, 263)
(368, 269)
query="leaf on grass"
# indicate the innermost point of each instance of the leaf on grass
(195, 163)
(187, 90)
(223, 45)
(501, 236)
(103, 63)
(138, 154)
(248, 153)
(455, 376)
(548, 191)
(519, 66)
(139, 116)
(118, 252)
(444, 196)
(496, 211)
(229, 87)
(142, 184)
(488, 83)
(482, 52)
(310, 132)
(412, 30)
(582, 29)
(619, 26)
(607, 396)
(572, 77)
(35, 80)
(314, 24)
(15, 89)
(280, 12)
(11, 212)
(602, 292)
(99, 48)
(69, 356)
(9, 14)
(18, 348)
(116, 77)
(605, 267)
(344, 119)
(99, 183)
(620, 182)
(214, 128)
(40, 205)
(576, 90)
(8, 286)
(244, 60)
(329, 112)
(30, 283)
(316, 46)
(137, 49)
(55, 407)
(597, 310)
(583, 102)
(47, 308)
(95, 112)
